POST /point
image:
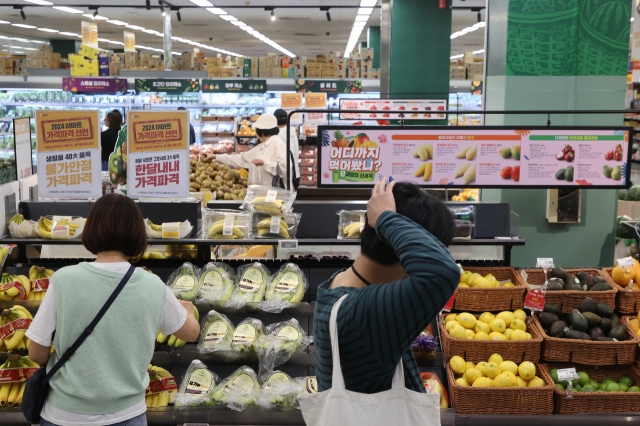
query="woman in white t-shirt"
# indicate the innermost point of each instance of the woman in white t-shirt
(294, 145)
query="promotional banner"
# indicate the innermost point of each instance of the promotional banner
(167, 85)
(90, 34)
(417, 109)
(94, 85)
(129, 41)
(234, 86)
(329, 86)
(485, 157)
(291, 101)
(22, 147)
(158, 154)
(68, 149)
(315, 101)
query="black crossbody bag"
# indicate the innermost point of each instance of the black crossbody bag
(37, 387)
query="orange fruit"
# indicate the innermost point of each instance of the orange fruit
(622, 277)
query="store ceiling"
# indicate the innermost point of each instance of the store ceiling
(301, 30)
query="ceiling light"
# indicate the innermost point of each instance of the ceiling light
(365, 11)
(368, 3)
(116, 22)
(359, 24)
(216, 11)
(362, 18)
(19, 53)
(178, 15)
(104, 40)
(164, 12)
(273, 16)
(328, 16)
(477, 52)
(69, 34)
(40, 2)
(94, 13)
(68, 9)
(23, 25)
(135, 27)
(24, 17)
(149, 31)
(228, 18)
(48, 30)
(201, 3)
(4, 22)
(239, 23)
(456, 57)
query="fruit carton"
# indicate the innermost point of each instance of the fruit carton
(627, 302)
(492, 299)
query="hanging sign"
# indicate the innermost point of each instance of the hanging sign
(68, 149)
(416, 109)
(329, 86)
(158, 154)
(167, 85)
(315, 101)
(635, 31)
(129, 41)
(291, 101)
(94, 85)
(234, 86)
(90, 34)
(22, 146)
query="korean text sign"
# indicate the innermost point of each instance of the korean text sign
(68, 147)
(22, 146)
(158, 146)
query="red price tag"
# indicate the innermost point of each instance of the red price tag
(166, 384)
(534, 300)
(7, 330)
(41, 284)
(449, 305)
(15, 284)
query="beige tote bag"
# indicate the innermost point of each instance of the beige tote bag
(338, 406)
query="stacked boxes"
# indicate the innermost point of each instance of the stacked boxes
(255, 66)
(457, 73)
(130, 60)
(8, 65)
(284, 65)
(21, 67)
(44, 58)
(214, 66)
(115, 65)
(475, 70)
(186, 61)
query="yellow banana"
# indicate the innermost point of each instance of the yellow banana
(428, 170)
(4, 393)
(161, 371)
(161, 338)
(354, 231)
(218, 227)
(20, 394)
(31, 295)
(24, 310)
(263, 200)
(172, 340)
(13, 394)
(222, 237)
(43, 231)
(147, 400)
(180, 343)
(283, 232)
(27, 361)
(155, 400)
(163, 400)
(18, 335)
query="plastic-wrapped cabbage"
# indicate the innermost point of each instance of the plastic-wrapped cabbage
(216, 333)
(246, 334)
(282, 340)
(252, 282)
(288, 284)
(217, 282)
(197, 386)
(184, 281)
(238, 390)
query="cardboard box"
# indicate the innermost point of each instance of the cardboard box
(89, 52)
(214, 72)
(366, 74)
(329, 74)
(275, 72)
(131, 59)
(114, 68)
(314, 74)
(366, 65)
(272, 60)
(298, 73)
(227, 72)
(214, 62)
(366, 53)
(458, 73)
(354, 73)
(321, 58)
(376, 73)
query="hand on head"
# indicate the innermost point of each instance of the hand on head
(381, 201)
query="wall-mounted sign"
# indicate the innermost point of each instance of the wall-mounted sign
(22, 147)
(167, 85)
(90, 34)
(94, 85)
(234, 86)
(416, 109)
(329, 86)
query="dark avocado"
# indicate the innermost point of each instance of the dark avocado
(587, 305)
(547, 319)
(571, 279)
(554, 286)
(556, 280)
(605, 339)
(615, 320)
(596, 332)
(592, 319)
(601, 286)
(574, 287)
(554, 309)
(604, 310)
(558, 272)
(575, 334)
(618, 332)
(588, 282)
(557, 329)
(605, 325)
(578, 321)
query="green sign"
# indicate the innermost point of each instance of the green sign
(329, 86)
(234, 86)
(168, 85)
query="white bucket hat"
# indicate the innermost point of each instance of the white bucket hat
(266, 121)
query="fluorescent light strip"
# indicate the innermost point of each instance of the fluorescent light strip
(48, 30)
(4, 22)
(456, 57)
(68, 9)
(368, 3)
(216, 11)
(69, 34)
(228, 18)
(40, 2)
(201, 3)
(135, 27)
(477, 52)
(468, 30)
(23, 25)
(116, 22)
(95, 18)
(249, 30)
(365, 11)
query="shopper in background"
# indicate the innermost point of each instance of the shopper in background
(192, 133)
(117, 112)
(263, 161)
(109, 137)
(104, 382)
(401, 280)
(294, 147)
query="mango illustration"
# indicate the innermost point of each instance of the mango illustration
(505, 152)
(515, 152)
(471, 154)
(428, 170)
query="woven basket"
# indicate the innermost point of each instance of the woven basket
(494, 299)
(627, 302)
(470, 400)
(587, 352)
(480, 350)
(594, 402)
(625, 320)
(569, 300)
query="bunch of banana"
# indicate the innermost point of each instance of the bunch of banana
(13, 292)
(184, 251)
(38, 273)
(172, 340)
(352, 230)
(45, 224)
(163, 398)
(264, 228)
(17, 341)
(260, 204)
(17, 219)
(4, 252)
(215, 232)
(11, 393)
(21, 228)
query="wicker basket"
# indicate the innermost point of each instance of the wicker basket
(495, 299)
(627, 302)
(569, 300)
(588, 352)
(531, 401)
(594, 402)
(481, 350)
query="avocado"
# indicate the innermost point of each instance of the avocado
(604, 339)
(597, 279)
(607, 171)
(578, 321)
(592, 319)
(557, 329)
(554, 309)
(574, 287)
(568, 174)
(618, 332)
(582, 275)
(578, 335)
(615, 320)
(554, 286)
(560, 174)
(588, 282)
(602, 286)
(616, 173)
(558, 272)
(595, 332)
(547, 319)
(604, 310)
(571, 279)
(587, 305)
(556, 280)
(605, 325)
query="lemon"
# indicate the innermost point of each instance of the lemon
(527, 370)
(466, 320)
(519, 335)
(470, 334)
(489, 276)
(493, 370)
(496, 358)
(518, 324)
(509, 284)
(482, 382)
(481, 283)
(509, 366)
(506, 316)
(536, 382)
(483, 326)
(469, 364)
(512, 377)
(481, 367)
(497, 336)
(458, 364)
(481, 335)
(520, 314)
(493, 283)
(522, 383)
(487, 317)
(463, 285)
(450, 317)
(451, 324)
(507, 333)
(471, 375)
(461, 382)
(458, 332)
(498, 325)
(502, 381)
(472, 278)
(529, 336)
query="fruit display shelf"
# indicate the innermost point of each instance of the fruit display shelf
(627, 302)
(499, 299)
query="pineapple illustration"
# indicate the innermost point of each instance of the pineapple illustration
(340, 141)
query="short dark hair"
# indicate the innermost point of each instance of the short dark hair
(281, 115)
(424, 209)
(117, 112)
(115, 121)
(267, 132)
(182, 109)
(115, 223)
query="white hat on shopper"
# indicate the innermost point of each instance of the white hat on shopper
(266, 121)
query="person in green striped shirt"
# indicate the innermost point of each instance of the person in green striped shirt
(401, 280)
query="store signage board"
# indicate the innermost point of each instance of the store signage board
(90, 34)
(129, 41)
(315, 101)
(545, 263)
(158, 154)
(291, 101)
(416, 109)
(329, 86)
(635, 32)
(22, 147)
(94, 85)
(234, 86)
(167, 85)
(68, 149)
(484, 157)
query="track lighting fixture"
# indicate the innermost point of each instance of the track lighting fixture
(273, 16)
(326, 9)
(95, 13)
(24, 17)
(148, 4)
(178, 15)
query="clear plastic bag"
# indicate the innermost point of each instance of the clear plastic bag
(184, 282)
(304, 385)
(197, 386)
(278, 390)
(238, 391)
(19, 227)
(282, 226)
(246, 334)
(217, 282)
(163, 231)
(60, 227)
(286, 286)
(252, 281)
(282, 340)
(265, 199)
(350, 223)
(225, 224)
(216, 333)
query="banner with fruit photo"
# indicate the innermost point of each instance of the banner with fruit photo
(481, 157)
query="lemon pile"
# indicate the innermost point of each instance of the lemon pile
(504, 326)
(469, 279)
(495, 373)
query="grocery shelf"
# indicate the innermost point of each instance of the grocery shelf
(188, 353)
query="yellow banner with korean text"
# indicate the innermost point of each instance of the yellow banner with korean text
(154, 131)
(67, 130)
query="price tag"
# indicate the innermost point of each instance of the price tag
(287, 244)
(227, 228)
(449, 305)
(545, 263)
(361, 223)
(567, 374)
(534, 300)
(626, 262)
(274, 228)
(171, 230)
(271, 196)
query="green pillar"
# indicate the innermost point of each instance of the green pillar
(558, 55)
(373, 42)
(363, 45)
(64, 47)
